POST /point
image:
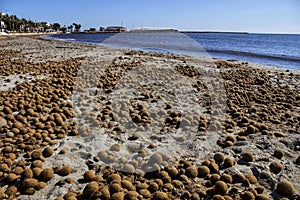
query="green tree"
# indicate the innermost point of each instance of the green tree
(63, 29)
(70, 28)
(92, 29)
(56, 26)
(45, 26)
(77, 27)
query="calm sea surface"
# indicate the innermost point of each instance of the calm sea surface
(279, 50)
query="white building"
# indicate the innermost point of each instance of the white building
(2, 26)
(116, 29)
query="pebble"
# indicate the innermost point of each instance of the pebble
(155, 158)
(278, 153)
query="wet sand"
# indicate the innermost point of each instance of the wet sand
(81, 121)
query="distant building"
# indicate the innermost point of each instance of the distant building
(50, 30)
(116, 29)
(2, 26)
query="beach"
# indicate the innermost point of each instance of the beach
(83, 121)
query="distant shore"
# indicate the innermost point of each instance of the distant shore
(221, 32)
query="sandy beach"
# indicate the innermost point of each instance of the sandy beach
(82, 121)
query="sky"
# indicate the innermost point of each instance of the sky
(255, 16)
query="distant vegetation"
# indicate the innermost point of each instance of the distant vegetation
(11, 23)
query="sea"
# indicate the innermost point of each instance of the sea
(277, 50)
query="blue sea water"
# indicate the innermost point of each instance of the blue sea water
(278, 50)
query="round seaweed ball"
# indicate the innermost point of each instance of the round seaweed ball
(160, 196)
(90, 189)
(276, 167)
(203, 171)
(248, 196)
(118, 196)
(48, 151)
(218, 197)
(248, 157)
(221, 188)
(219, 157)
(191, 172)
(228, 162)
(65, 171)
(89, 176)
(46, 175)
(262, 197)
(285, 188)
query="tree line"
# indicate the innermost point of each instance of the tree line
(12, 23)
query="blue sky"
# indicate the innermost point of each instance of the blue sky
(264, 16)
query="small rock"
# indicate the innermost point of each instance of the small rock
(278, 153)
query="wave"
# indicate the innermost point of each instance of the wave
(251, 54)
(183, 44)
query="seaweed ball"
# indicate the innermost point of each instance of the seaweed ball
(46, 175)
(90, 189)
(248, 157)
(219, 157)
(221, 188)
(89, 176)
(276, 167)
(160, 196)
(285, 188)
(191, 172)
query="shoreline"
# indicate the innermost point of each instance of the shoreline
(153, 121)
(267, 60)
